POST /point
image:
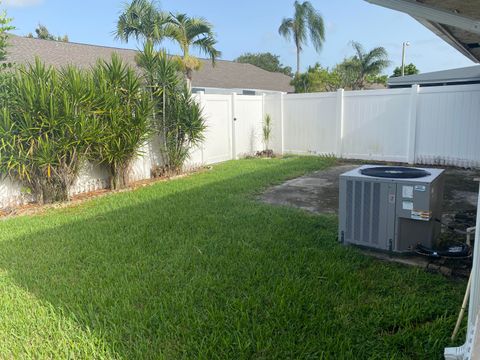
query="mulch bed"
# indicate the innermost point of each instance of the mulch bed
(77, 199)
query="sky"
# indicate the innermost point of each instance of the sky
(252, 26)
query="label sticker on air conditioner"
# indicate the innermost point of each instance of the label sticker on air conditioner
(407, 205)
(407, 192)
(423, 215)
(420, 188)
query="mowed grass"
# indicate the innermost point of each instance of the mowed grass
(196, 268)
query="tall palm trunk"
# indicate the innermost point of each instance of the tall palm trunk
(298, 61)
(188, 78)
(299, 50)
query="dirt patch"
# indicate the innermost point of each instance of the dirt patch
(461, 189)
(316, 192)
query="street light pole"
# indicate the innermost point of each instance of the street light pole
(404, 45)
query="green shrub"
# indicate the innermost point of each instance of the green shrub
(44, 129)
(177, 118)
(184, 127)
(123, 110)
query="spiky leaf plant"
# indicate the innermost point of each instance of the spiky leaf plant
(267, 130)
(44, 129)
(184, 127)
(123, 111)
(177, 118)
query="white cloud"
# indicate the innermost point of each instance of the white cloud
(21, 3)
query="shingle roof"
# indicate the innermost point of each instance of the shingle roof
(451, 76)
(225, 74)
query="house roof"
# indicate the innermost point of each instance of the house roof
(451, 76)
(225, 74)
(455, 21)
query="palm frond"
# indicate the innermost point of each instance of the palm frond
(206, 45)
(141, 19)
(286, 28)
(194, 33)
(316, 27)
(198, 27)
(359, 50)
(379, 53)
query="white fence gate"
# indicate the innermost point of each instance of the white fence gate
(427, 125)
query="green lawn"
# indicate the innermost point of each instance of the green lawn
(197, 268)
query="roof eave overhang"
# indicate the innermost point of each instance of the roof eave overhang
(435, 19)
(444, 34)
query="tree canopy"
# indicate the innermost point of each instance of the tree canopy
(363, 67)
(266, 61)
(410, 69)
(192, 33)
(43, 33)
(353, 73)
(144, 20)
(5, 26)
(141, 19)
(317, 79)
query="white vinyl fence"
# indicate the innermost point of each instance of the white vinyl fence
(423, 125)
(234, 125)
(427, 125)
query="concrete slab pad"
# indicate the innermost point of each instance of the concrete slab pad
(318, 192)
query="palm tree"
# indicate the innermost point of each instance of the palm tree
(161, 77)
(306, 21)
(180, 122)
(141, 19)
(364, 65)
(191, 32)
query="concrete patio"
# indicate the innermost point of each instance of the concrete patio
(317, 192)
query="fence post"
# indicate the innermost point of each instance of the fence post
(339, 126)
(234, 120)
(282, 134)
(262, 145)
(201, 102)
(412, 124)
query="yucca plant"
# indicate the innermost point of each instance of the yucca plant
(185, 127)
(267, 131)
(162, 79)
(123, 114)
(177, 118)
(44, 128)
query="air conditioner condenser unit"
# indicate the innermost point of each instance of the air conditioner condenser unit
(390, 208)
